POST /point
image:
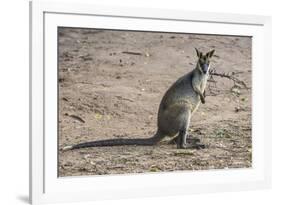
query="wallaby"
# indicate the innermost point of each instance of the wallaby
(177, 106)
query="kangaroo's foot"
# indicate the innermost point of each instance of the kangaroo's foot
(190, 139)
(173, 141)
(192, 146)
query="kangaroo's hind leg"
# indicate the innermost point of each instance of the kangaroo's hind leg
(184, 120)
(183, 140)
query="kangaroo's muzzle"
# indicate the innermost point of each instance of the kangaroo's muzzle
(205, 68)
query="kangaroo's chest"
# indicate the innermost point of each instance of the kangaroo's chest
(203, 83)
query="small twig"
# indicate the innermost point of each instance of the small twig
(76, 117)
(131, 53)
(212, 85)
(87, 83)
(122, 98)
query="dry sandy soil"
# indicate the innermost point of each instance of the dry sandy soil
(106, 93)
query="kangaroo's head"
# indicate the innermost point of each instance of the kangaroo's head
(203, 63)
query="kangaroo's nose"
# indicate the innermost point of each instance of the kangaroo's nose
(205, 67)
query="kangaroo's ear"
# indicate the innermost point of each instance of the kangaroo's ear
(210, 54)
(199, 54)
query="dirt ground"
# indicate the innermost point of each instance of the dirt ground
(106, 93)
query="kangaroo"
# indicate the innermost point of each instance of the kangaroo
(177, 106)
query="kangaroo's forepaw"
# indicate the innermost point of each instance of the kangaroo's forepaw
(203, 100)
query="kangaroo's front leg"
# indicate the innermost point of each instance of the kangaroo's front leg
(201, 95)
(202, 98)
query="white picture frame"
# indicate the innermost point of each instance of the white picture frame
(46, 187)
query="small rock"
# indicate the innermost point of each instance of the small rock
(236, 91)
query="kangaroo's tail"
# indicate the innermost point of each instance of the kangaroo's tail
(117, 142)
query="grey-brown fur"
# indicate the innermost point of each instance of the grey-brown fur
(177, 106)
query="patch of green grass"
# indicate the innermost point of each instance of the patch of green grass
(222, 133)
(154, 168)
